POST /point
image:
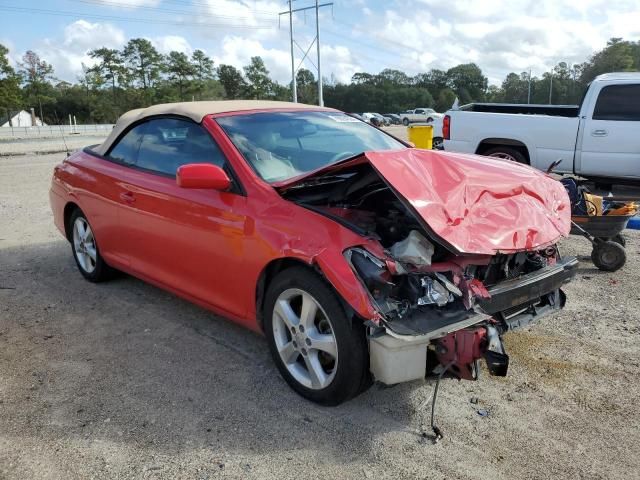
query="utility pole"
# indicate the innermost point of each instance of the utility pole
(529, 93)
(550, 86)
(293, 68)
(320, 99)
(305, 56)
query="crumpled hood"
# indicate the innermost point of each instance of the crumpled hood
(472, 204)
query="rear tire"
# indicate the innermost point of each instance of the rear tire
(608, 256)
(337, 369)
(506, 153)
(405, 122)
(85, 249)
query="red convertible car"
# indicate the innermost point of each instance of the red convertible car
(359, 257)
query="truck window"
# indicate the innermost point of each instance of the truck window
(618, 102)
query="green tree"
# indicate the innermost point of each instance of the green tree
(232, 81)
(110, 66)
(179, 70)
(203, 68)
(259, 85)
(515, 88)
(468, 82)
(143, 61)
(10, 95)
(36, 75)
(393, 77)
(307, 87)
(617, 56)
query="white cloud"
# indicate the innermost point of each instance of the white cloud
(501, 36)
(172, 42)
(68, 54)
(237, 51)
(133, 3)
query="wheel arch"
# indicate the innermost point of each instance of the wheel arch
(492, 142)
(69, 208)
(335, 271)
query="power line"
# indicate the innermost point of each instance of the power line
(107, 3)
(61, 13)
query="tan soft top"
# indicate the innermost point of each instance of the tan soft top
(195, 111)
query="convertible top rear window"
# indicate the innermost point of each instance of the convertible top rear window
(282, 145)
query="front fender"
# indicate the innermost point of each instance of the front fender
(338, 272)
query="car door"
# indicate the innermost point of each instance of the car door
(190, 240)
(104, 203)
(610, 144)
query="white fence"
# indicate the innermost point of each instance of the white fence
(53, 130)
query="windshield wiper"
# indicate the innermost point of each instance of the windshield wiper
(323, 180)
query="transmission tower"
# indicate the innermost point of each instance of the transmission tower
(305, 53)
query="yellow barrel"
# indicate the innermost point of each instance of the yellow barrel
(421, 136)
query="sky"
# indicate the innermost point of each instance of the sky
(500, 36)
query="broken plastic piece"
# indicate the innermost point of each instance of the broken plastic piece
(450, 286)
(435, 292)
(415, 249)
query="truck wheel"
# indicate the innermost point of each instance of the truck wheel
(506, 153)
(320, 352)
(608, 256)
(405, 122)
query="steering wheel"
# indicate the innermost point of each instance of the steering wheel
(340, 156)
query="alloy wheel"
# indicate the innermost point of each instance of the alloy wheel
(84, 245)
(305, 339)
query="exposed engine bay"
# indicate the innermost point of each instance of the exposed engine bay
(421, 288)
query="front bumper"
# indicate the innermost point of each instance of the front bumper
(520, 301)
(513, 303)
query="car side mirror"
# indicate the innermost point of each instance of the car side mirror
(202, 175)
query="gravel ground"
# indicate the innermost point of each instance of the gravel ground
(123, 380)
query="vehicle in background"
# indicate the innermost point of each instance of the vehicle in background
(331, 237)
(375, 119)
(394, 118)
(384, 121)
(370, 118)
(598, 139)
(419, 115)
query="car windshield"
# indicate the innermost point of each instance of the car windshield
(282, 145)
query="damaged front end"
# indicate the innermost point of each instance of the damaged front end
(442, 308)
(458, 307)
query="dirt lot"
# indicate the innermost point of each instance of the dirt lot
(122, 380)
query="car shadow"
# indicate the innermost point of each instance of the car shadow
(126, 362)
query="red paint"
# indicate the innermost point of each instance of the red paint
(472, 204)
(211, 246)
(460, 349)
(202, 175)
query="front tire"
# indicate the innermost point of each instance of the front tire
(320, 352)
(85, 249)
(405, 122)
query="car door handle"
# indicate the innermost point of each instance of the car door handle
(128, 197)
(599, 133)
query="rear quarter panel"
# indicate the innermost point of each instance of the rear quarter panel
(92, 184)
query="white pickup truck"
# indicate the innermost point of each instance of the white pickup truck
(599, 140)
(419, 115)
